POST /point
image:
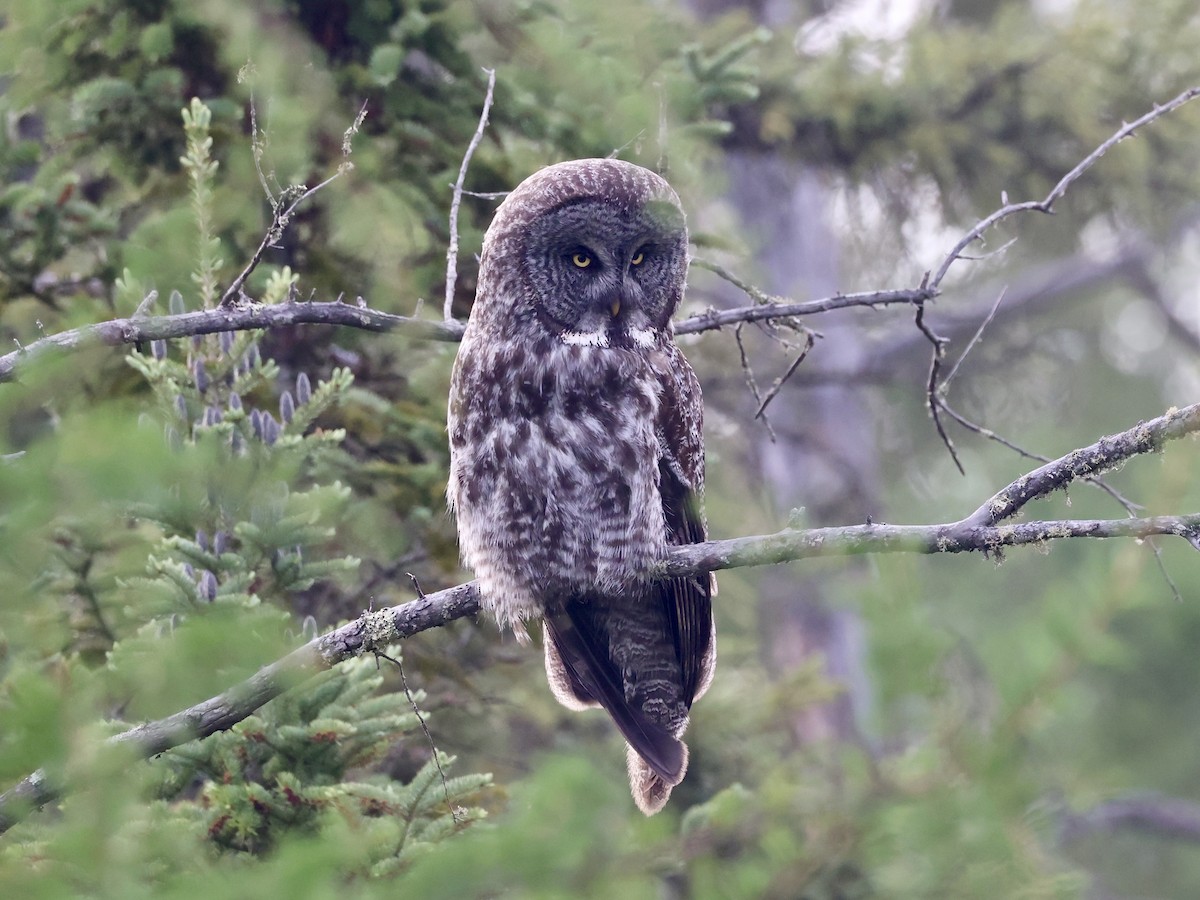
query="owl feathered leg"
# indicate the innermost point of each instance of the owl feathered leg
(617, 652)
(650, 790)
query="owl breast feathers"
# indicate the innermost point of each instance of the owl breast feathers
(577, 455)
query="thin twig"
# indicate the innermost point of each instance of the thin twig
(975, 338)
(751, 381)
(1131, 508)
(663, 160)
(456, 201)
(437, 761)
(931, 386)
(1046, 205)
(424, 727)
(933, 284)
(258, 149)
(616, 152)
(809, 341)
(754, 293)
(1128, 505)
(349, 134)
(282, 210)
(143, 308)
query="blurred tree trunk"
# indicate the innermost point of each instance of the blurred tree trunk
(820, 455)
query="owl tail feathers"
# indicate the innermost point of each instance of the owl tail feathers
(650, 790)
(588, 677)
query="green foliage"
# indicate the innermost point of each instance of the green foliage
(201, 168)
(233, 511)
(303, 756)
(174, 518)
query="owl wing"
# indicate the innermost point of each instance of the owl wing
(688, 600)
(580, 636)
(653, 650)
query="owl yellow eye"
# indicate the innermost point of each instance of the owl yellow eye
(638, 258)
(582, 260)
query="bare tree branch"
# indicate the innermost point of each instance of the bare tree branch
(456, 200)
(116, 332)
(284, 205)
(1102, 456)
(932, 388)
(762, 312)
(777, 385)
(751, 381)
(1167, 817)
(976, 533)
(249, 317)
(765, 308)
(1046, 205)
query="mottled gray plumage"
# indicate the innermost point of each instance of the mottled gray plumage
(576, 450)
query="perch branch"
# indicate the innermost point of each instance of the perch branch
(375, 630)
(977, 533)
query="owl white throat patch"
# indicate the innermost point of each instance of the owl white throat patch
(585, 338)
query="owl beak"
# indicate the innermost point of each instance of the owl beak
(615, 306)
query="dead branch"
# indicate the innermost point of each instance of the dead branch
(1046, 204)
(1106, 454)
(765, 308)
(932, 387)
(283, 206)
(456, 199)
(116, 332)
(762, 312)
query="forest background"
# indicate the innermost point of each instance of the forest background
(175, 514)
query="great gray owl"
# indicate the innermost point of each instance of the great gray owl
(577, 455)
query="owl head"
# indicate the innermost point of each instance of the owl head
(593, 252)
